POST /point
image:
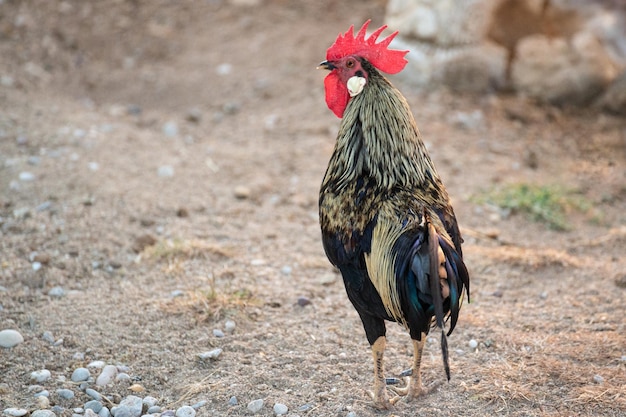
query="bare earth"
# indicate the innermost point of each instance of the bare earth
(122, 212)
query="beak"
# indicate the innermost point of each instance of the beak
(326, 65)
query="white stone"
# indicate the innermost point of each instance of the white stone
(280, 409)
(166, 171)
(80, 374)
(107, 375)
(211, 354)
(185, 411)
(15, 412)
(255, 406)
(10, 338)
(96, 364)
(40, 376)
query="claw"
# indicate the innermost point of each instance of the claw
(413, 389)
(381, 401)
(404, 390)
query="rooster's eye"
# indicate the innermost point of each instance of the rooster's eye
(350, 63)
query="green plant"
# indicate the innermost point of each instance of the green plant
(547, 204)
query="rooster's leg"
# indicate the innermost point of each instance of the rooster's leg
(379, 395)
(415, 388)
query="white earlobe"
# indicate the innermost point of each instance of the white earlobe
(355, 85)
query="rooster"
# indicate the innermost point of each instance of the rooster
(386, 218)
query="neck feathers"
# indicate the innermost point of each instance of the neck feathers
(378, 137)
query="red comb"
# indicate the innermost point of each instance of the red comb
(386, 60)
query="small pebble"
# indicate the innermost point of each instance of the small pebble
(149, 401)
(241, 192)
(43, 402)
(56, 292)
(44, 393)
(165, 171)
(199, 404)
(255, 406)
(48, 337)
(170, 129)
(351, 414)
(15, 412)
(22, 213)
(224, 69)
(218, 333)
(104, 412)
(94, 405)
(80, 374)
(57, 409)
(64, 393)
(96, 364)
(46, 205)
(231, 108)
(107, 375)
(137, 388)
(155, 409)
(194, 115)
(122, 376)
(473, 344)
(43, 413)
(229, 326)
(26, 176)
(303, 301)
(36, 266)
(93, 166)
(133, 403)
(33, 160)
(233, 401)
(40, 376)
(286, 270)
(10, 338)
(598, 379)
(7, 81)
(93, 394)
(280, 409)
(211, 354)
(177, 293)
(185, 411)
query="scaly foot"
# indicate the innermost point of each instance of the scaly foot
(413, 389)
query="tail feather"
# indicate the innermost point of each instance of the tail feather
(458, 276)
(435, 290)
(444, 353)
(418, 262)
(433, 274)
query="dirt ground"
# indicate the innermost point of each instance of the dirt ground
(162, 160)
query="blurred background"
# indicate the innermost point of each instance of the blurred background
(160, 165)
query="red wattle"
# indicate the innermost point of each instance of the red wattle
(336, 94)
